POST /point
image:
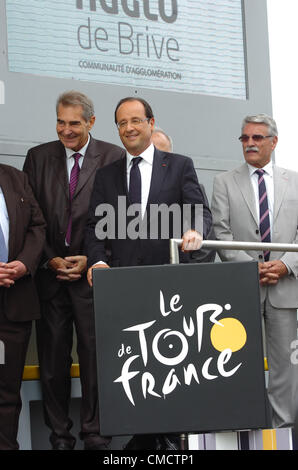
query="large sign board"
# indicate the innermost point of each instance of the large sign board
(192, 46)
(179, 349)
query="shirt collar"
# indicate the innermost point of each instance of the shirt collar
(267, 168)
(82, 151)
(147, 155)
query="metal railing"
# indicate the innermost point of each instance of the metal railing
(227, 245)
(231, 245)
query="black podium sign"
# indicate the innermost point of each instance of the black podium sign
(179, 349)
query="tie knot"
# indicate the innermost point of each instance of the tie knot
(136, 161)
(260, 172)
(76, 157)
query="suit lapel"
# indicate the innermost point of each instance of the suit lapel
(60, 169)
(242, 179)
(121, 177)
(10, 200)
(280, 180)
(159, 170)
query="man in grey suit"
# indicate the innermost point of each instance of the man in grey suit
(239, 214)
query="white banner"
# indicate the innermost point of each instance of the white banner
(188, 46)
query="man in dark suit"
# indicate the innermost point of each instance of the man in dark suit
(22, 236)
(164, 142)
(62, 174)
(163, 178)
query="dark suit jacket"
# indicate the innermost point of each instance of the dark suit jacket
(173, 180)
(47, 172)
(204, 255)
(26, 241)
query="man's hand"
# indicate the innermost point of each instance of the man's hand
(271, 271)
(95, 266)
(69, 268)
(191, 240)
(11, 272)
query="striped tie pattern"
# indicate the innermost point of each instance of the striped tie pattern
(264, 212)
(73, 181)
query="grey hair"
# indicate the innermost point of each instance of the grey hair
(76, 98)
(160, 131)
(261, 119)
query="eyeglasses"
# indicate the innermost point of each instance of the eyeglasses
(135, 122)
(255, 137)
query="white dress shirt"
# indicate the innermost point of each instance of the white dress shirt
(4, 219)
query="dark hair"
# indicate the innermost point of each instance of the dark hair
(147, 107)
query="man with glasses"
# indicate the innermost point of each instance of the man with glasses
(161, 178)
(61, 174)
(258, 202)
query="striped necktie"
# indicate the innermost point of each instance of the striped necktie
(73, 181)
(264, 212)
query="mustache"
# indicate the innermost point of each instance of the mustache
(252, 148)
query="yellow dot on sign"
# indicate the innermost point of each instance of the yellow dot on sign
(230, 334)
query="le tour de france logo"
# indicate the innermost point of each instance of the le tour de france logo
(171, 348)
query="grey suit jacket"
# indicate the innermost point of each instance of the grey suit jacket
(235, 218)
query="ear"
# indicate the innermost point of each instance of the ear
(152, 123)
(91, 122)
(274, 142)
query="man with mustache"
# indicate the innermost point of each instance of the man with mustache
(259, 202)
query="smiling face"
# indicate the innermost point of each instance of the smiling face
(72, 129)
(258, 154)
(135, 137)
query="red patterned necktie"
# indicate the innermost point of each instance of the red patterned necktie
(73, 181)
(264, 212)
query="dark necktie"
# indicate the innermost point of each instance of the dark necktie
(264, 212)
(3, 248)
(135, 182)
(73, 181)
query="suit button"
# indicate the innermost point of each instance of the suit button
(260, 256)
(257, 232)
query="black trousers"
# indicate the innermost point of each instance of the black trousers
(55, 337)
(15, 337)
